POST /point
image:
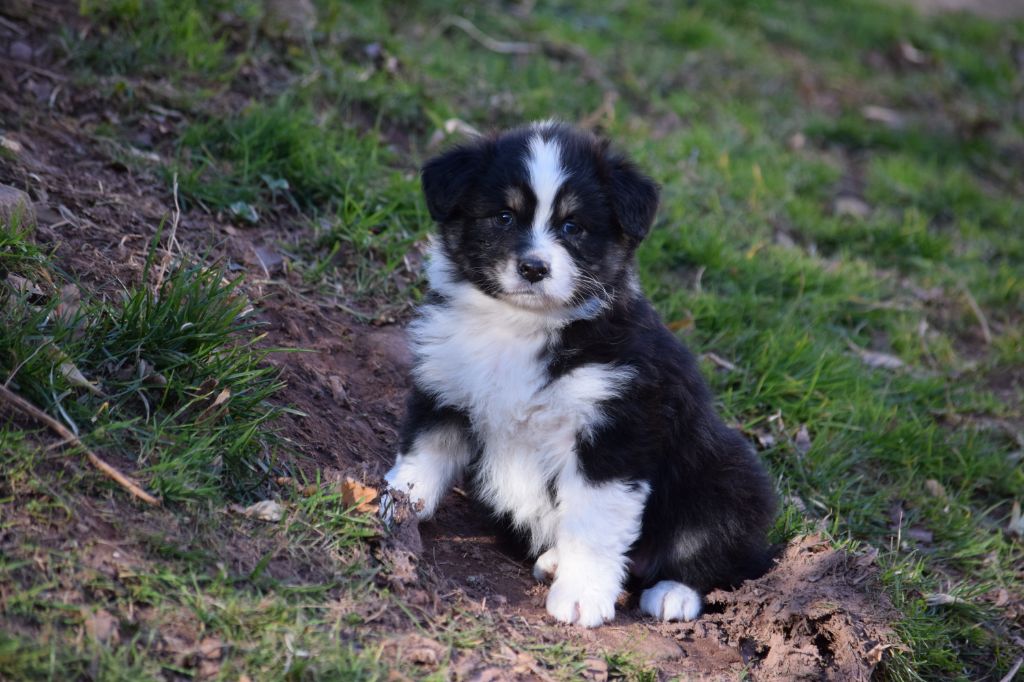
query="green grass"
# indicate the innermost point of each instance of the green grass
(278, 153)
(751, 116)
(192, 36)
(173, 591)
(171, 377)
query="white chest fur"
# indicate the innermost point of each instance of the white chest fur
(486, 358)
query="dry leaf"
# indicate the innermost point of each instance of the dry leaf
(851, 206)
(719, 361)
(935, 489)
(75, 377)
(797, 503)
(416, 649)
(337, 389)
(681, 324)
(210, 648)
(221, 398)
(868, 557)
(10, 144)
(265, 510)
(884, 115)
(941, 599)
(911, 54)
(26, 287)
(270, 260)
(802, 440)
(70, 299)
(1016, 525)
(878, 360)
(363, 497)
(102, 626)
(874, 656)
(595, 669)
(453, 126)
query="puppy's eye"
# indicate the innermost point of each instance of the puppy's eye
(571, 229)
(505, 218)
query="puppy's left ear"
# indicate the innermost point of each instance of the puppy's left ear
(633, 196)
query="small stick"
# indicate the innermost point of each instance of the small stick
(171, 239)
(34, 69)
(1013, 671)
(499, 46)
(31, 410)
(986, 333)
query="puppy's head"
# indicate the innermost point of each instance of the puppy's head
(544, 217)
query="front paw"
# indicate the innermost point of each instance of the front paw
(405, 478)
(546, 565)
(580, 604)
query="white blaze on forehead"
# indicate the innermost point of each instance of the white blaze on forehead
(546, 176)
(544, 166)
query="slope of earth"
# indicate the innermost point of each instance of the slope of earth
(129, 161)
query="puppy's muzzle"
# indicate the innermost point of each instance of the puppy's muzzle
(533, 270)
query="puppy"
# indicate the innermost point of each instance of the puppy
(544, 375)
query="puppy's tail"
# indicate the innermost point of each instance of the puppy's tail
(758, 562)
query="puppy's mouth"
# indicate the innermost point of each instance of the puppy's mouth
(530, 297)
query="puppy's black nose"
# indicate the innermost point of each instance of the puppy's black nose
(533, 269)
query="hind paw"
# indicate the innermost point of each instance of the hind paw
(670, 600)
(545, 567)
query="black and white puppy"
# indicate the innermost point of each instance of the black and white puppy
(543, 373)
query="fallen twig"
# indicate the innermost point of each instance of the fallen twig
(34, 69)
(499, 46)
(562, 51)
(1013, 671)
(986, 332)
(31, 410)
(171, 239)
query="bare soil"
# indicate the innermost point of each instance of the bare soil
(818, 615)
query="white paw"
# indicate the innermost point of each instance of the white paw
(402, 477)
(580, 604)
(669, 600)
(545, 567)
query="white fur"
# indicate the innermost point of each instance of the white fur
(671, 600)
(544, 166)
(596, 526)
(483, 356)
(546, 566)
(427, 471)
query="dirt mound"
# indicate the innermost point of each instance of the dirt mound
(814, 616)
(817, 615)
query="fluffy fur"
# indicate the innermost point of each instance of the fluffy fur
(543, 373)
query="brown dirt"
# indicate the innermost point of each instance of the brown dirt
(817, 615)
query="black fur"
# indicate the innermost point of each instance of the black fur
(711, 501)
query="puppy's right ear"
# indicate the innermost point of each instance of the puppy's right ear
(447, 178)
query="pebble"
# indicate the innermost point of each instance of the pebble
(15, 203)
(21, 51)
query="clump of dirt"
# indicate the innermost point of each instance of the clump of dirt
(816, 615)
